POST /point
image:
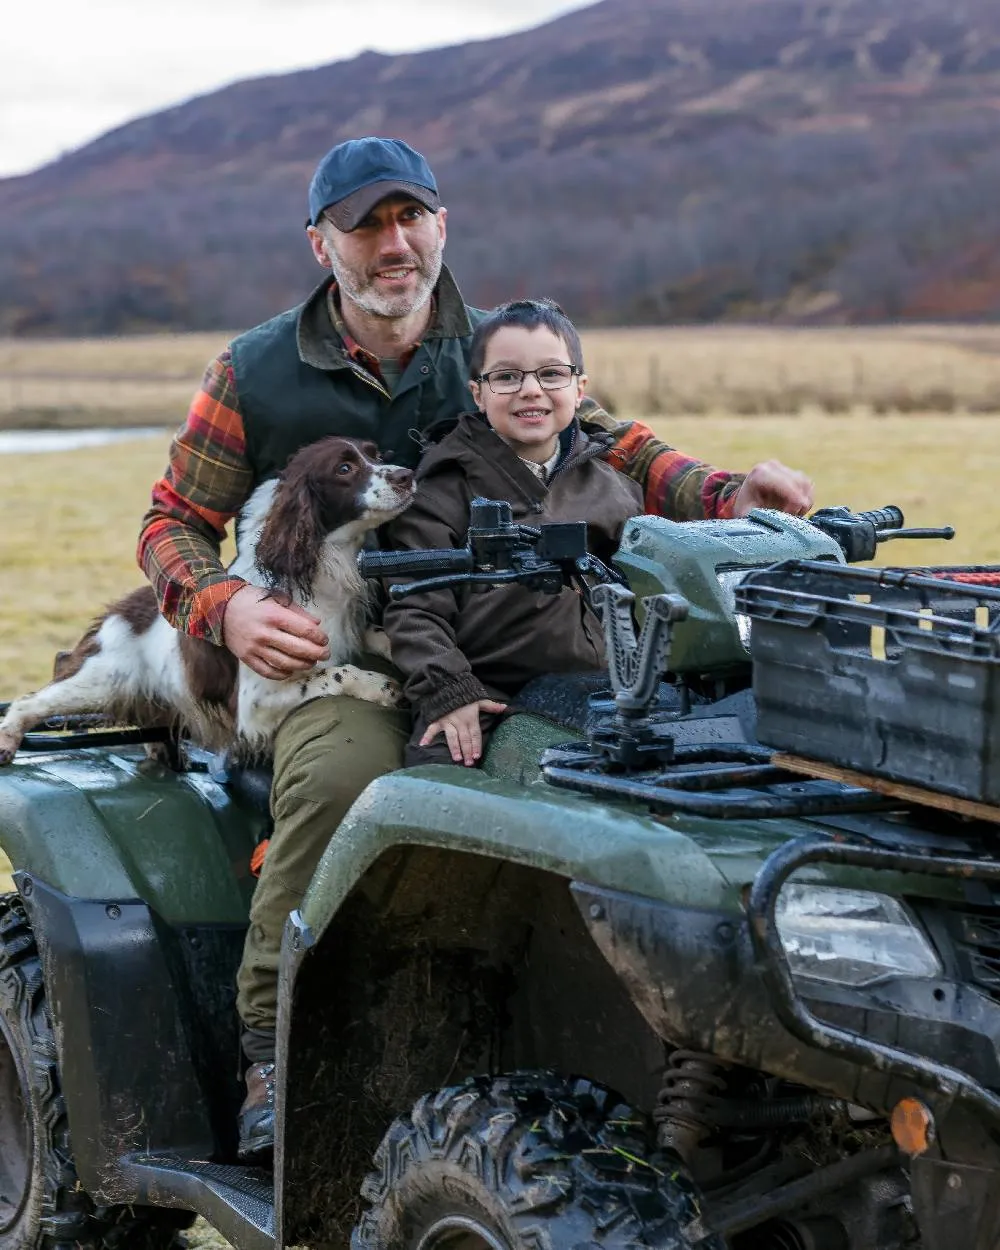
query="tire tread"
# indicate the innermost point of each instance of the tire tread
(563, 1162)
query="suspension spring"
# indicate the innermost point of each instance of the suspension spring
(693, 1088)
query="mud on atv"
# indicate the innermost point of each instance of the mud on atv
(639, 981)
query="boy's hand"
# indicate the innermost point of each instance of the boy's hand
(461, 729)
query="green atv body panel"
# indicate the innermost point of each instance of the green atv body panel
(507, 812)
(97, 824)
(114, 825)
(687, 558)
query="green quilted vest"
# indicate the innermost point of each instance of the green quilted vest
(297, 384)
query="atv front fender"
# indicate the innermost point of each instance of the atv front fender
(578, 838)
(439, 938)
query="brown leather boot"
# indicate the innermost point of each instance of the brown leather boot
(256, 1118)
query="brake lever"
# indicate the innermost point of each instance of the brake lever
(454, 579)
(945, 532)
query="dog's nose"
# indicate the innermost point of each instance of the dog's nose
(400, 477)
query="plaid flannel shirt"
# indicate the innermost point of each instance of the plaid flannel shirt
(208, 479)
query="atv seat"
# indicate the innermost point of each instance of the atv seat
(571, 700)
(563, 698)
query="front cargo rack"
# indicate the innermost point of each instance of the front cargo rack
(719, 781)
(894, 673)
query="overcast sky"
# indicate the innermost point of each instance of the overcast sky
(72, 69)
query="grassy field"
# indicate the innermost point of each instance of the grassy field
(751, 372)
(147, 380)
(69, 520)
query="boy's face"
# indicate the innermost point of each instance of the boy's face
(531, 418)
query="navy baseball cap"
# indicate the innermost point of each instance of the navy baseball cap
(354, 176)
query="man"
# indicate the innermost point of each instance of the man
(379, 351)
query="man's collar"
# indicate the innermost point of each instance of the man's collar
(324, 345)
(361, 355)
(451, 320)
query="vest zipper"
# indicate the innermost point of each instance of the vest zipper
(367, 377)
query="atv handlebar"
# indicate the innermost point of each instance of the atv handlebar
(888, 518)
(551, 556)
(498, 551)
(415, 563)
(859, 533)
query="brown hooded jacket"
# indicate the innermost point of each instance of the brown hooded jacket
(452, 644)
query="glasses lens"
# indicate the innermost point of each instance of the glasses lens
(505, 381)
(552, 377)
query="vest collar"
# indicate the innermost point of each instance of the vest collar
(322, 347)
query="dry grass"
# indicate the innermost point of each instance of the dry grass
(148, 380)
(751, 371)
(141, 380)
(68, 528)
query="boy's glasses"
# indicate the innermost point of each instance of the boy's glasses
(508, 381)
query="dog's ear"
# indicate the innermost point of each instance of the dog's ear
(290, 541)
(369, 450)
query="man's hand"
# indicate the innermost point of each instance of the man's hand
(772, 484)
(461, 729)
(274, 639)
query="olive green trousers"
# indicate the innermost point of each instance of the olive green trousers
(326, 752)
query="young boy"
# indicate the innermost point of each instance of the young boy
(464, 654)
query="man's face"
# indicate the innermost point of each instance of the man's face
(390, 263)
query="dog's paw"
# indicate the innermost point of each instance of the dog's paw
(9, 742)
(390, 694)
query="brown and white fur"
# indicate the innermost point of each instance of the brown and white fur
(298, 537)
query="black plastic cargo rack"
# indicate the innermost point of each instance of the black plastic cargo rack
(890, 672)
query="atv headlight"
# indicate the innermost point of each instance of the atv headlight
(851, 937)
(728, 580)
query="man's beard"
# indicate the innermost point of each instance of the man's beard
(360, 288)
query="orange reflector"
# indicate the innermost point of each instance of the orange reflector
(912, 1126)
(257, 858)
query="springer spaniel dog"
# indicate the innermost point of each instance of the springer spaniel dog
(298, 537)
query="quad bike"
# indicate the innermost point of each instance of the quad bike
(639, 981)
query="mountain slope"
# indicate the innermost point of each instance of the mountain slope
(639, 160)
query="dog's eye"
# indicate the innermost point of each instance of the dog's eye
(345, 467)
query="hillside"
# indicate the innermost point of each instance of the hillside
(641, 160)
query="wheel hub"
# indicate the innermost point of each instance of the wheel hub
(460, 1232)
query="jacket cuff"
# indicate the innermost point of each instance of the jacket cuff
(722, 506)
(456, 694)
(209, 608)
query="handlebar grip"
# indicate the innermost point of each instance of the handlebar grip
(415, 563)
(887, 518)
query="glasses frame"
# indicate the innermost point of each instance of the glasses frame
(574, 373)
